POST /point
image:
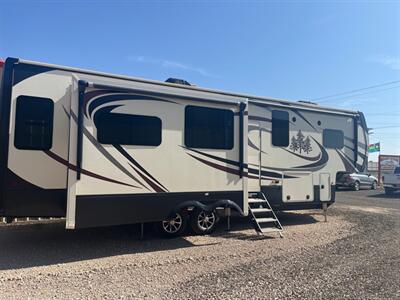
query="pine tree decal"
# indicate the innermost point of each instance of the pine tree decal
(300, 141)
(301, 144)
(307, 145)
(293, 145)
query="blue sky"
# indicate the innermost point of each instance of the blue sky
(296, 50)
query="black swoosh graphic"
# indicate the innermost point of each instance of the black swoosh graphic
(301, 116)
(136, 164)
(120, 97)
(348, 166)
(321, 162)
(103, 151)
(313, 158)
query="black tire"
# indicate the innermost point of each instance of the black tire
(203, 222)
(356, 186)
(374, 185)
(174, 226)
(388, 191)
(9, 220)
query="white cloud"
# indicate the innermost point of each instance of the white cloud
(391, 62)
(171, 64)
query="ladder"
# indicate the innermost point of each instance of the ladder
(262, 215)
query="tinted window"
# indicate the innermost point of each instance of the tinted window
(280, 128)
(341, 176)
(122, 129)
(210, 128)
(333, 138)
(34, 123)
(397, 170)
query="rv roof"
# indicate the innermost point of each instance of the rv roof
(252, 98)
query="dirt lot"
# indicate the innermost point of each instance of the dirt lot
(354, 256)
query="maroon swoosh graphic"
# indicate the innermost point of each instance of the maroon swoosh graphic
(102, 150)
(86, 172)
(151, 183)
(313, 158)
(226, 169)
(90, 95)
(139, 167)
(219, 167)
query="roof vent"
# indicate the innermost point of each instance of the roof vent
(307, 102)
(177, 81)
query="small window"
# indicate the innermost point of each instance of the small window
(333, 138)
(209, 128)
(123, 129)
(280, 128)
(34, 123)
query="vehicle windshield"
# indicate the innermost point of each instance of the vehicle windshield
(397, 170)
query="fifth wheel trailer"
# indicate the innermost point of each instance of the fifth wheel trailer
(102, 149)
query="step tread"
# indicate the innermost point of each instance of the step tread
(265, 220)
(265, 230)
(259, 210)
(256, 200)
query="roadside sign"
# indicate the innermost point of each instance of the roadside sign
(387, 164)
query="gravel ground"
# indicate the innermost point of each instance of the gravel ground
(355, 255)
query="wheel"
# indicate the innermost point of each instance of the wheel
(203, 222)
(374, 185)
(8, 220)
(174, 226)
(356, 186)
(388, 191)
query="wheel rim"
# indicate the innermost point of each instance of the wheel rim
(173, 225)
(357, 186)
(206, 220)
(374, 185)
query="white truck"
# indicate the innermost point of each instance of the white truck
(391, 182)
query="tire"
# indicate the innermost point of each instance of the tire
(388, 191)
(8, 220)
(374, 185)
(203, 222)
(356, 186)
(174, 226)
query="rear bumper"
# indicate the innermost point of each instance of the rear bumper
(344, 184)
(391, 186)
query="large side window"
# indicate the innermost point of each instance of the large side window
(123, 129)
(332, 138)
(280, 128)
(34, 123)
(209, 128)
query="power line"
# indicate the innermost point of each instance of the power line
(356, 90)
(382, 127)
(388, 114)
(361, 94)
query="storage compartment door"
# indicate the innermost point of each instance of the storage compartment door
(324, 187)
(297, 187)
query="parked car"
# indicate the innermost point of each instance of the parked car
(356, 180)
(391, 182)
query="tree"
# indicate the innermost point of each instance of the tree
(293, 145)
(300, 141)
(307, 145)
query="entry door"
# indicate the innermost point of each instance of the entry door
(254, 158)
(324, 187)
